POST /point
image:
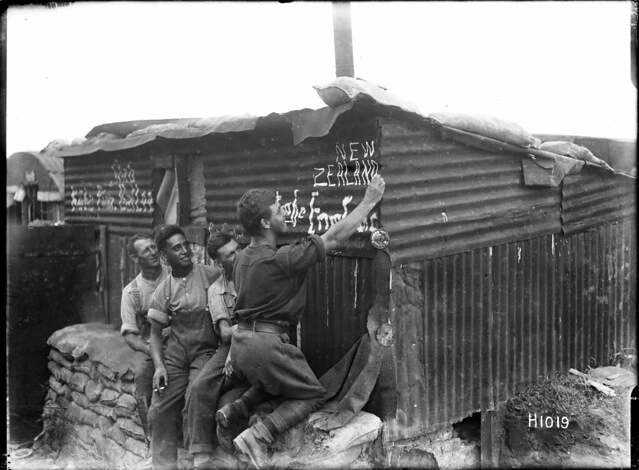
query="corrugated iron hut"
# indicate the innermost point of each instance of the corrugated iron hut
(487, 282)
(35, 188)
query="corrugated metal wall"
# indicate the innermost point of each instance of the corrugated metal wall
(338, 300)
(591, 198)
(442, 197)
(108, 188)
(490, 319)
(235, 163)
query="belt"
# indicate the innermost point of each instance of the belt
(262, 326)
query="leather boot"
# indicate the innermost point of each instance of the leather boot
(253, 443)
(231, 412)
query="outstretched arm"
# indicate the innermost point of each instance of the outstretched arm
(347, 226)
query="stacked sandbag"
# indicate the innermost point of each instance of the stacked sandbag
(570, 149)
(91, 386)
(487, 126)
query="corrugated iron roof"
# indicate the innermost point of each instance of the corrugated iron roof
(49, 170)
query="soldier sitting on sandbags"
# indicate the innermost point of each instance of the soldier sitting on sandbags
(181, 301)
(136, 300)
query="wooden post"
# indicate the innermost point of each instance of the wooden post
(343, 37)
(104, 293)
(182, 175)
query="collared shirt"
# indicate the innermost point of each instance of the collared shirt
(271, 283)
(187, 293)
(146, 288)
(222, 297)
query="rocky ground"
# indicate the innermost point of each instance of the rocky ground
(595, 432)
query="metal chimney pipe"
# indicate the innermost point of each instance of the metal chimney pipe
(343, 37)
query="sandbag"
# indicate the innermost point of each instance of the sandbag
(345, 90)
(101, 409)
(63, 402)
(49, 399)
(58, 357)
(131, 429)
(56, 386)
(488, 126)
(109, 397)
(104, 423)
(137, 447)
(128, 387)
(83, 432)
(93, 390)
(115, 385)
(89, 417)
(106, 372)
(73, 413)
(126, 406)
(115, 433)
(80, 399)
(570, 149)
(60, 373)
(78, 381)
(86, 367)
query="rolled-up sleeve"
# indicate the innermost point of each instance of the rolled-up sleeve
(127, 313)
(217, 302)
(157, 310)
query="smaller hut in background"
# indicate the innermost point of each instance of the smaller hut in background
(35, 188)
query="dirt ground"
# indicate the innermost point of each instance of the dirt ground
(588, 429)
(594, 434)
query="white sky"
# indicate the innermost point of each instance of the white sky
(553, 67)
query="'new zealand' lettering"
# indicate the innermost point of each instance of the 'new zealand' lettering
(360, 173)
(353, 151)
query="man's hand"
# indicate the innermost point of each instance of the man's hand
(347, 226)
(226, 332)
(375, 189)
(166, 332)
(228, 368)
(160, 379)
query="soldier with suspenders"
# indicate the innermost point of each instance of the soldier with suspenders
(135, 303)
(181, 301)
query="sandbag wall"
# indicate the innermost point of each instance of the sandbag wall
(91, 392)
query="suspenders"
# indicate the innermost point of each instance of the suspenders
(168, 293)
(137, 301)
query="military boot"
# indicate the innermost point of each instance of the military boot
(253, 444)
(232, 412)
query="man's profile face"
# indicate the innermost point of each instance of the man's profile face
(277, 220)
(147, 253)
(227, 254)
(178, 252)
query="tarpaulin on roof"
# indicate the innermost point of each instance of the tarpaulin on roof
(303, 123)
(141, 134)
